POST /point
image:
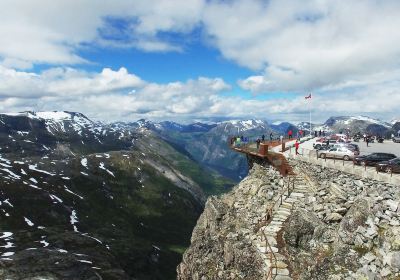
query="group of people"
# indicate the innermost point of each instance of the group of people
(300, 134)
(262, 140)
(239, 140)
(320, 133)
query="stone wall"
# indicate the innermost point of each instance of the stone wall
(310, 156)
(347, 229)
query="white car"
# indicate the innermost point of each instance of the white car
(339, 153)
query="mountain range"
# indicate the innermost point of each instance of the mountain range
(207, 144)
(84, 199)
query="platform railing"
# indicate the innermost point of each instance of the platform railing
(287, 188)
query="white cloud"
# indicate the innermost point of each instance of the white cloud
(293, 45)
(64, 82)
(120, 95)
(110, 95)
(307, 45)
(347, 51)
(46, 31)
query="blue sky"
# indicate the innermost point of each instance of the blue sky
(196, 59)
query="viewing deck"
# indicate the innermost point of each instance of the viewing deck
(266, 154)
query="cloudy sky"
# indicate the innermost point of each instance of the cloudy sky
(187, 60)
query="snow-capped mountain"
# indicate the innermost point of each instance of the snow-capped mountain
(305, 126)
(198, 127)
(233, 127)
(58, 121)
(355, 124)
(394, 121)
(60, 134)
(105, 201)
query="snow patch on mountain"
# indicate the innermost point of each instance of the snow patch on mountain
(367, 119)
(394, 121)
(244, 125)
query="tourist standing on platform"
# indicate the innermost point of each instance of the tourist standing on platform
(263, 138)
(296, 146)
(258, 143)
(367, 140)
(270, 136)
(281, 137)
(238, 142)
(290, 133)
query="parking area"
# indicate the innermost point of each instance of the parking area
(387, 146)
(308, 154)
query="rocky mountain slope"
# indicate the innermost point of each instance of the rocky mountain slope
(355, 124)
(338, 227)
(84, 200)
(208, 143)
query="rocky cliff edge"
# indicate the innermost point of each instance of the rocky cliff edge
(338, 227)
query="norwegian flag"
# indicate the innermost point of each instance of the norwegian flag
(308, 97)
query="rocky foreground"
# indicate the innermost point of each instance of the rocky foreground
(333, 226)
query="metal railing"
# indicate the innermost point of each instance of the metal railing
(287, 188)
(277, 160)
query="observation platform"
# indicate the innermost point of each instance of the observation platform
(265, 154)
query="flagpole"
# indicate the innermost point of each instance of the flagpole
(309, 108)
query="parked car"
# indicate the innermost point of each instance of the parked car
(396, 139)
(344, 153)
(389, 166)
(354, 146)
(350, 146)
(339, 137)
(373, 159)
(324, 143)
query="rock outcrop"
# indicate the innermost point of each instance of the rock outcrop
(222, 244)
(339, 227)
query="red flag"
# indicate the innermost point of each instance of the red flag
(307, 97)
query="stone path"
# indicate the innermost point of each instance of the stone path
(280, 214)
